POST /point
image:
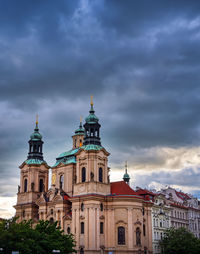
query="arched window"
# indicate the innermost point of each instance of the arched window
(25, 185)
(83, 175)
(100, 175)
(101, 227)
(101, 207)
(41, 185)
(75, 143)
(138, 236)
(51, 211)
(82, 207)
(121, 235)
(144, 230)
(68, 230)
(81, 251)
(61, 181)
(82, 227)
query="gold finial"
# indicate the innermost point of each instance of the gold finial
(91, 100)
(37, 119)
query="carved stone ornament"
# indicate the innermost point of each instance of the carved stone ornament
(102, 217)
(138, 222)
(82, 217)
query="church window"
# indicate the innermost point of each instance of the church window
(82, 227)
(121, 235)
(144, 230)
(138, 237)
(81, 251)
(100, 175)
(101, 227)
(51, 220)
(101, 207)
(68, 230)
(75, 143)
(51, 211)
(61, 181)
(25, 185)
(83, 175)
(41, 185)
(82, 207)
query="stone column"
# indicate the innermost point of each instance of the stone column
(73, 220)
(87, 228)
(98, 229)
(129, 237)
(77, 227)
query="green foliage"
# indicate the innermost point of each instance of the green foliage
(180, 241)
(41, 239)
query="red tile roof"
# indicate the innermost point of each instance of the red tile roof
(145, 192)
(182, 195)
(121, 188)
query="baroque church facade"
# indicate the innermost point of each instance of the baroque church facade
(103, 216)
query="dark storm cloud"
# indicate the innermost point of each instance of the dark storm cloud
(139, 59)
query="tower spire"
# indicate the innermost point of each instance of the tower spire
(92, 127)
(36, 122)
(126, 176)
(91, 104)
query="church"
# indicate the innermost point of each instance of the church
(103, 216)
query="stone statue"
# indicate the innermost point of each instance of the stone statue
(43, 188)
(32, 186)
(18, 188)
(138, 237)
(92, 176)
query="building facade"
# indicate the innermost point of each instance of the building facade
(104, 216)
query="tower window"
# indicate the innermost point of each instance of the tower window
(101, 227)
(82, 207)
(61, 181)
(41, 185)
(100, 175)
(81, 251)
(51, 211)
(121, 235)
(144, 230)
(83, 175)
(25, 185)
(82, 227)
(101, 207)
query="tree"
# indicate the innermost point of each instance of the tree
(41, 239)
(180, 241)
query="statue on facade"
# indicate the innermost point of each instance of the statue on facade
(92, 176)
(32, 186)
(18, 188)
(138, 237)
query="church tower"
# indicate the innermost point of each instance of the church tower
(92, 172)
(33, 179)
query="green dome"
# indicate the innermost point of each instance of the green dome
(91, 118)
(126, 176)
(36, 135)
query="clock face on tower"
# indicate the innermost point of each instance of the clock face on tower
(53, 178)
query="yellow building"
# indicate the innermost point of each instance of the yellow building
(104, 217)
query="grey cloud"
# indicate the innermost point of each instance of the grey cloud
(140, 64)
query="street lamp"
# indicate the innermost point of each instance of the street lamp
(56, 251)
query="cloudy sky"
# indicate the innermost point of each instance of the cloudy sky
(141, 62)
